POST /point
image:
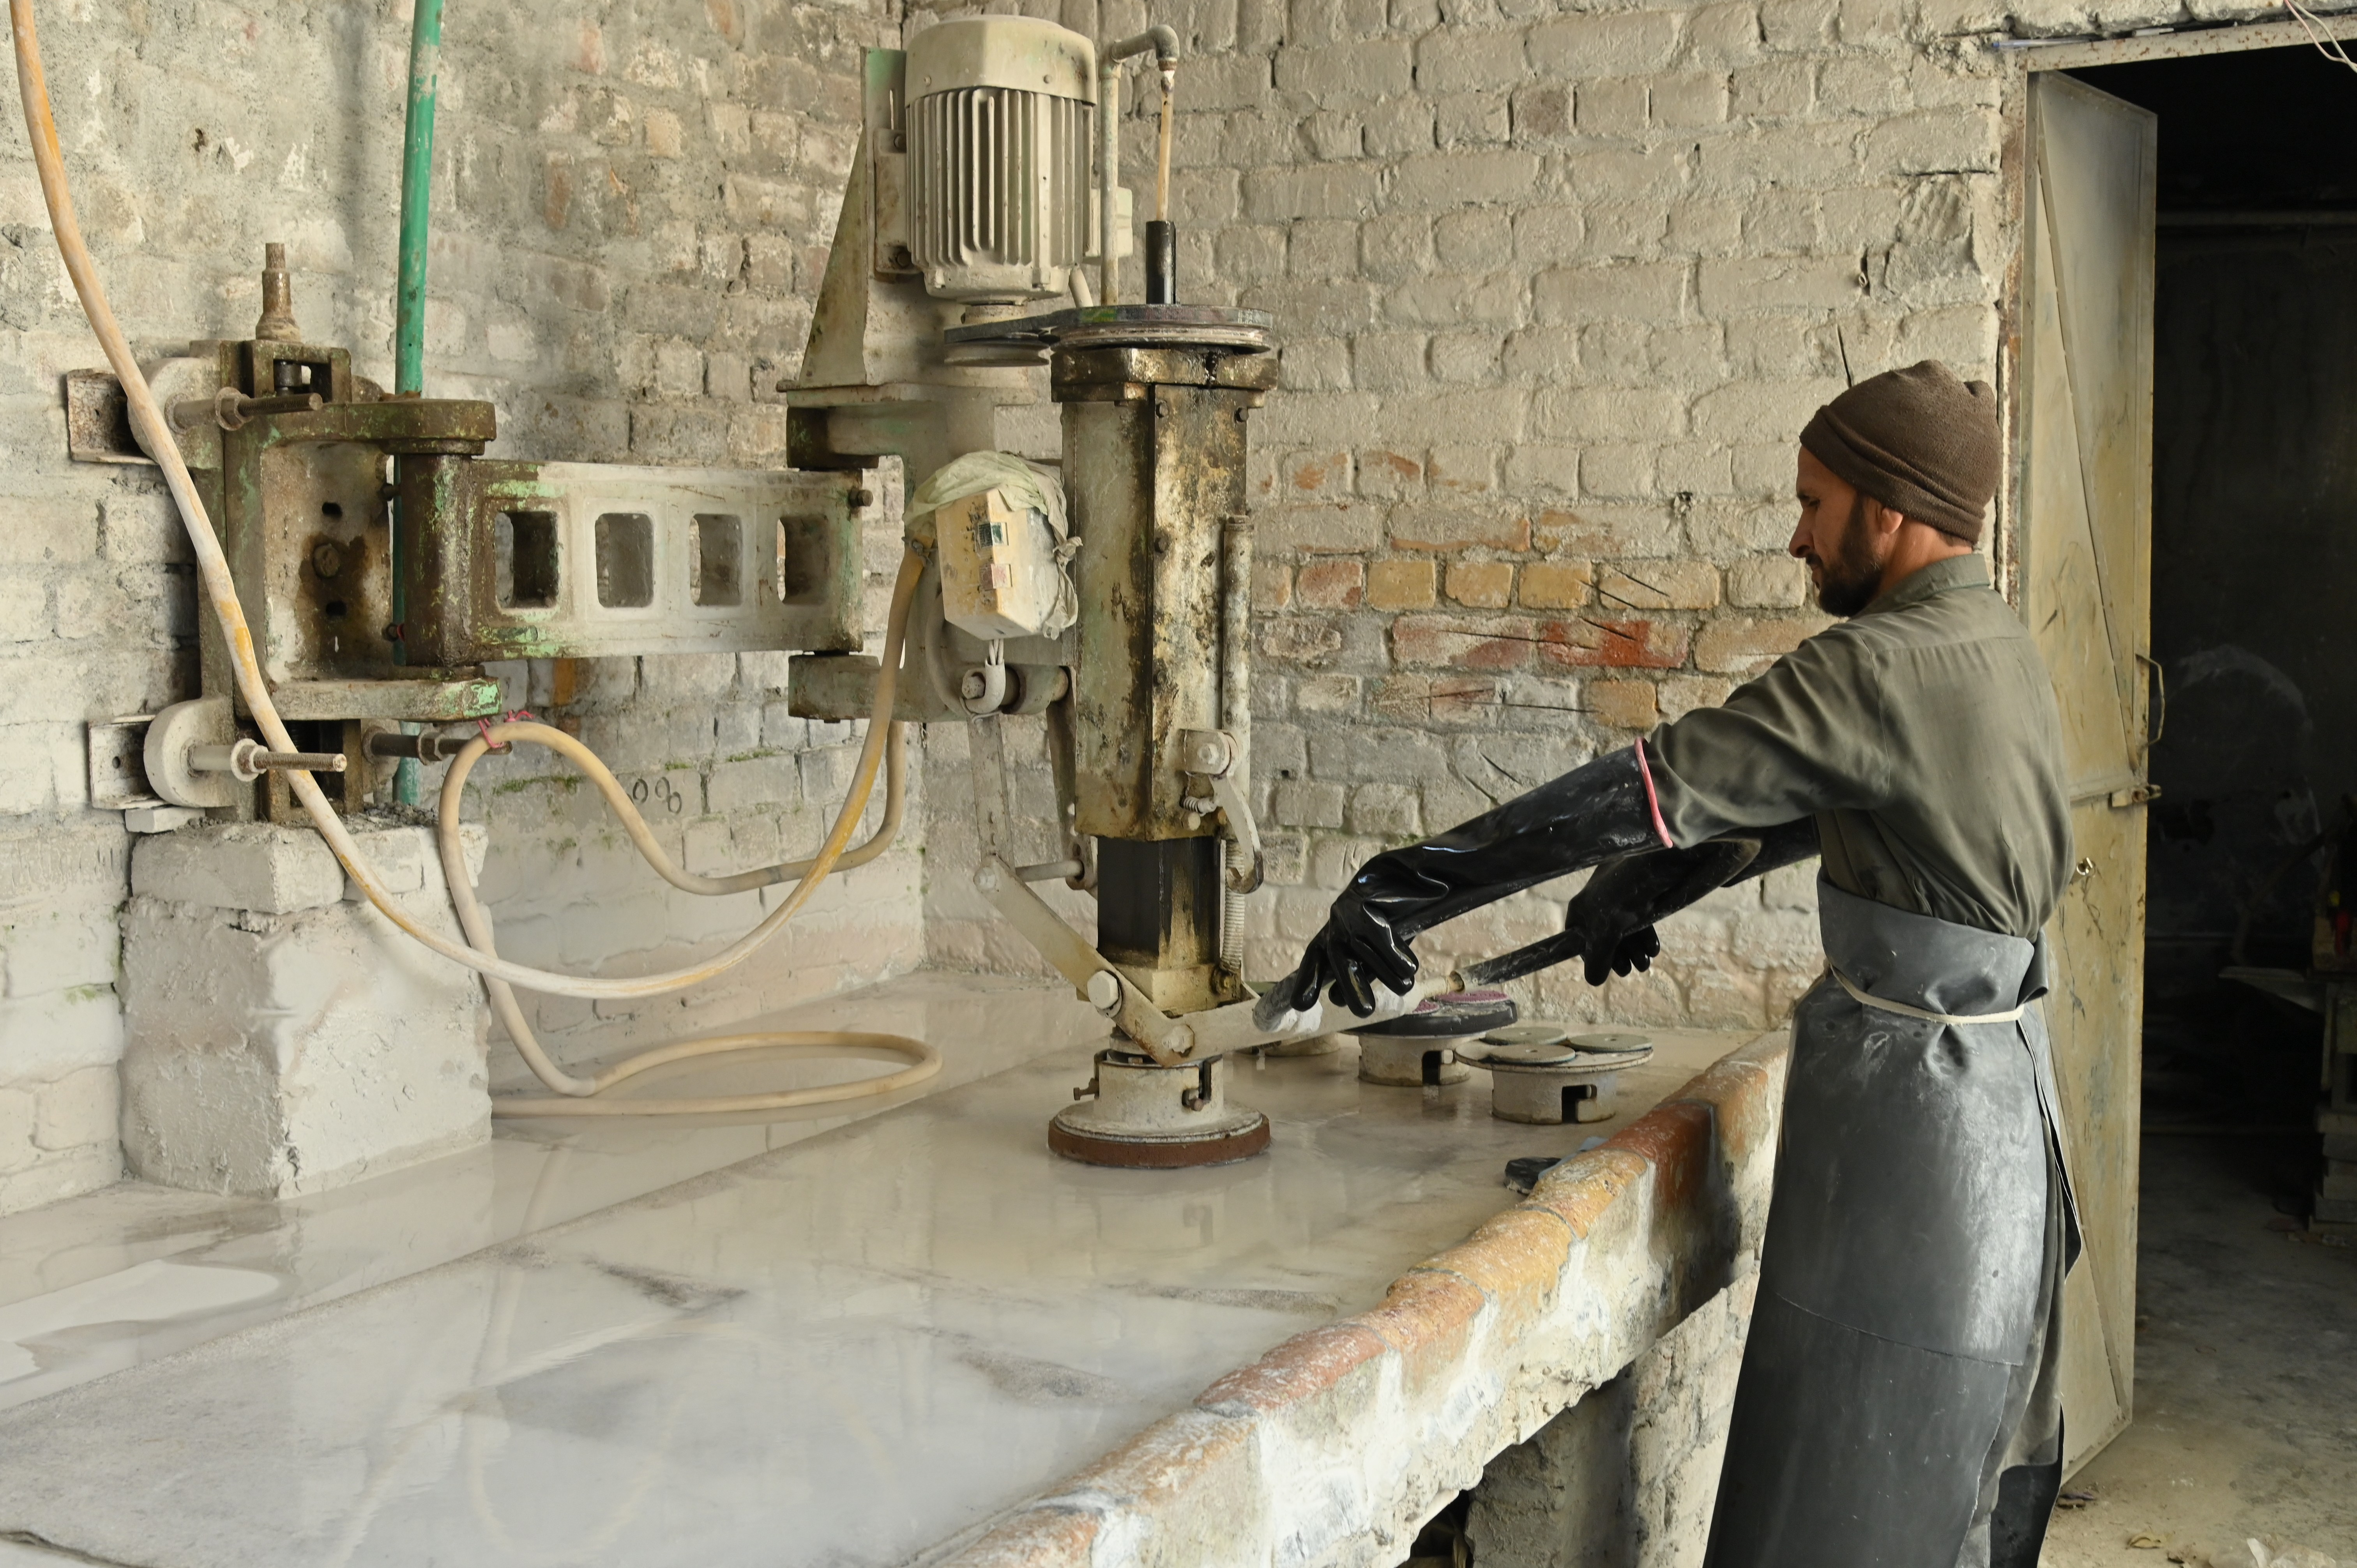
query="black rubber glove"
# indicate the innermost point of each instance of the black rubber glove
(1615, 913)
(1613, 916)
(1567, 824)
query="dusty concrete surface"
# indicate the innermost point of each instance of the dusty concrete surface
(2246, 1396)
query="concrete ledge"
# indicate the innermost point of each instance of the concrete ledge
(266, 869)
(1334, 1447)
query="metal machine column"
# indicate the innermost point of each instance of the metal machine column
(1154, 447)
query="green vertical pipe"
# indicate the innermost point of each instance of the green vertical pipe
(409, 298)
(416, 187)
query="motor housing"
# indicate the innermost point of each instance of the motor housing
(1001, 113)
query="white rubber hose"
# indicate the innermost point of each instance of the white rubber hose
(148, 423)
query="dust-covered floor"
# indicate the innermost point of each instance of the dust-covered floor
(2246, 1374)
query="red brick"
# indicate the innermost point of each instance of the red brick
(1582, 1188)
(1337, 585)
(1677, 1140)
(1389, 474)
(1612, 644)
(1463, 642)
(1516, 1258)
(1304, 1366)
(1428, 1319)
(1744, 1092)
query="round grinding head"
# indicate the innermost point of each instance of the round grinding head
(1530, 1056)
(1528, 1034)
(1102, 1148)
(1611, 1044)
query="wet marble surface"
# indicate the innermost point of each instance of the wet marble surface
(62, 1266)
(792, 1343)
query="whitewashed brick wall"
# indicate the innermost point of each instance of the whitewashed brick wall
(632, 203)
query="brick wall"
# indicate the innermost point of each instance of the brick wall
(632, 203)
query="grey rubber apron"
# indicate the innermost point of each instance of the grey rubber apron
(1909, 1278)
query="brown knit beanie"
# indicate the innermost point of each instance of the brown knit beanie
(1919, 441)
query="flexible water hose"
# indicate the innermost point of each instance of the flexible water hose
(148, 422)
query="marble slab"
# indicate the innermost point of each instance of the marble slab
(856, 1348)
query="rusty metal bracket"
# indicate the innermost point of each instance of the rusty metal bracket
(1164, 1038)
(1211, 756)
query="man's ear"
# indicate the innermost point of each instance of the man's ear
(1885, 520)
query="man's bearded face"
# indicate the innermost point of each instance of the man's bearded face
(1850, 575)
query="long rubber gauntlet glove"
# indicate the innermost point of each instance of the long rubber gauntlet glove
(1589, 815)
(1614, 914)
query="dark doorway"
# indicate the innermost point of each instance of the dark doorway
(2253, 573)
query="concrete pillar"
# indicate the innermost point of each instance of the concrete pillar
(1565, 1498)
(281, 1036)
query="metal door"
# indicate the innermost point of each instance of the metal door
(2085, 508)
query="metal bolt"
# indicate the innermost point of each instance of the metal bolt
(326, 559)
(863, 498)
(974, 685)
(1104, 991)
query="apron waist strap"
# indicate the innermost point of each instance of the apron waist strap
(1868, 999)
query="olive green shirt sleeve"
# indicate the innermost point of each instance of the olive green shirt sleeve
(1923, 738)
(1808, 736)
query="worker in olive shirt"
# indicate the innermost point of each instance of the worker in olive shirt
(1898, 1405)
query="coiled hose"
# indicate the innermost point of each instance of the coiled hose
(478, 953)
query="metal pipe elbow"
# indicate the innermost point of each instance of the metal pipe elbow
(1162, 38)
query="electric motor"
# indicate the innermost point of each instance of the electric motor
(999, 122)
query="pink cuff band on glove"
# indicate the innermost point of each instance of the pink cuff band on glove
(1652, 800)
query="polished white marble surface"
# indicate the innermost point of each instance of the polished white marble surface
(801, 1342)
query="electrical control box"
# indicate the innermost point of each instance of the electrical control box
(1000, 576)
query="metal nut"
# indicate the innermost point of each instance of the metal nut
(1104, 991)
(326, 559)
